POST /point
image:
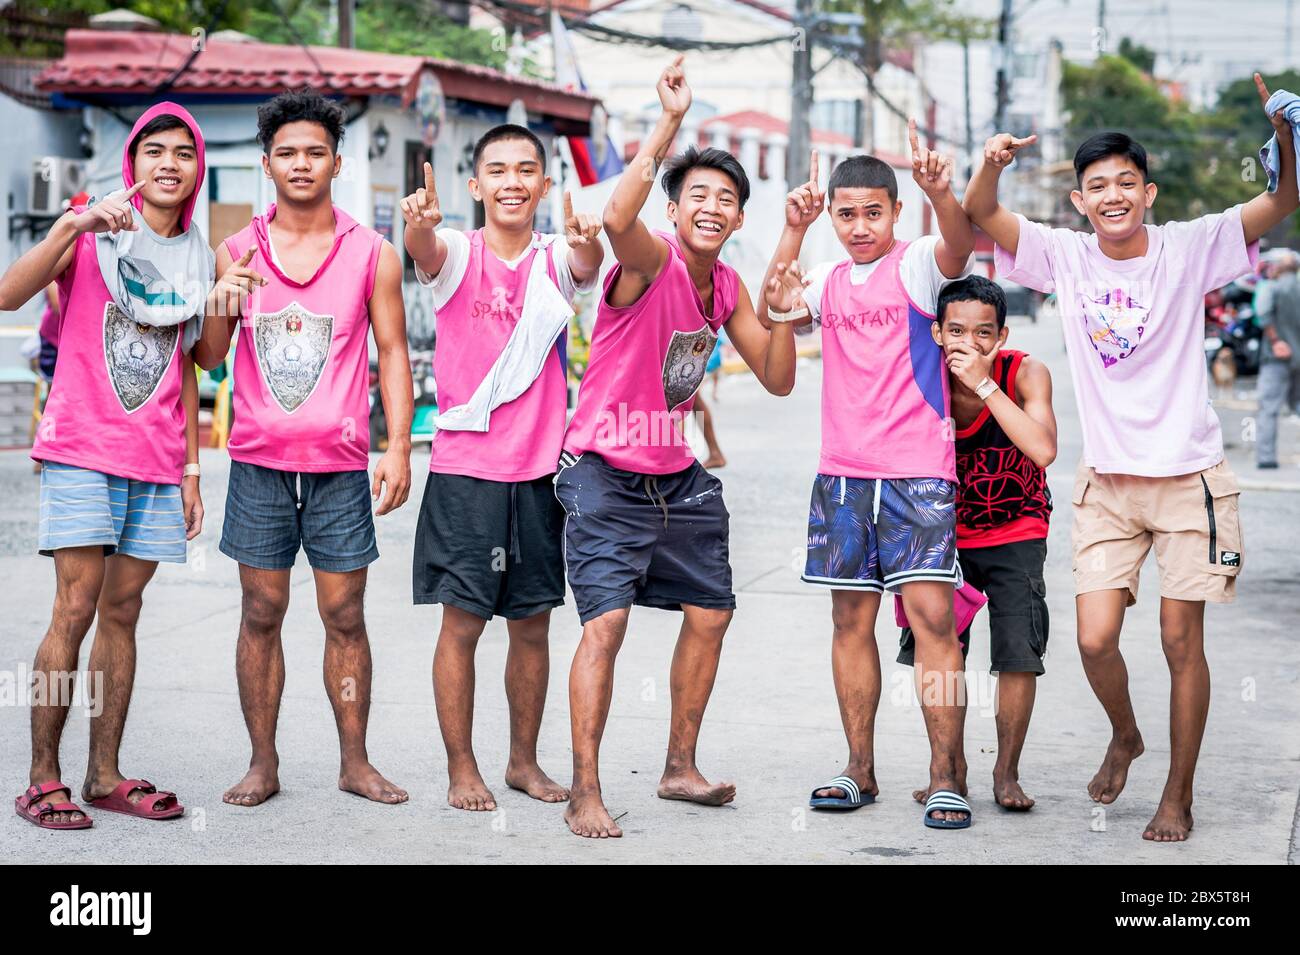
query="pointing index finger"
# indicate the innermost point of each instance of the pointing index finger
(428, 177)
(130, 193)
(813, 168)
(247, 257)
(911, 135)
(1263, 90)
(568, 205)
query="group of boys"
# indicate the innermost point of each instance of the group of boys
(931, 480)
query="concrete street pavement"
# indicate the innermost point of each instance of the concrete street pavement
(772, 727)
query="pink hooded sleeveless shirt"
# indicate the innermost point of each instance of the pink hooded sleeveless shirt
(302, 367)
(647, 362)
(115, 402)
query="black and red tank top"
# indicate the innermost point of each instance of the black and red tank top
(1002, 496)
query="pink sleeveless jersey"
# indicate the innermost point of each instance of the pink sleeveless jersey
(115, 402)
(523, 437)
(885, 411)
(302, 367)
(647, 362)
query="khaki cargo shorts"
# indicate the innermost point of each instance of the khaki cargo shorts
(1190, 519)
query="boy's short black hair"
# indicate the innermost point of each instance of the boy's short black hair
(863, 172)
(974, 288)
(159, 124)
(508, 131)
(1103, 145)
(299, 106)
(677, 168)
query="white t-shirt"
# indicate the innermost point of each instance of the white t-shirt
(920, 273)
(449, 277)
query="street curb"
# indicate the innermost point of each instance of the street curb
(1249, 485)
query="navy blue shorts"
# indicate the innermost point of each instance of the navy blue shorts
(270, 514)
(880, 533)
(656, 540)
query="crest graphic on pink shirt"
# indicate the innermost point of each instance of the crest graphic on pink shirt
(292, 347)
(137, 356)
(1114, 323)
(688, 354)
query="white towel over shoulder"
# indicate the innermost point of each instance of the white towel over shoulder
(545, 315)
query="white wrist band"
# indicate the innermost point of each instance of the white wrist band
(191, 470)
(789, 316)
(985, 388)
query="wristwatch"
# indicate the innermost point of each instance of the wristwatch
(985, 388)
(790, 316)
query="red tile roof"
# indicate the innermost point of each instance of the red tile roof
(107, 63)
(768, 123)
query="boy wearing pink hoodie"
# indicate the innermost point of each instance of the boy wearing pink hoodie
(119, 443)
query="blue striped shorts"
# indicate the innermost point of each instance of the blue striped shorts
(80, 508)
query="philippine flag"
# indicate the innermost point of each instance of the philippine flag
(594, 160)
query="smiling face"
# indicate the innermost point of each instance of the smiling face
(1115, 196)
(510, 182)
(864, 221)
(707, 210)
(167, 163)
(970, 323)
(302, 163)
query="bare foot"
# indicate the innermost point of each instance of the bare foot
(1110, 779)
(689, 785)
(1171, 823)
(587, 816)
(864, 776)
(534, 782)
(258, 785)
(468, 791)
(714, 461)
(57, 796)
(1007, 791)
(364, 780)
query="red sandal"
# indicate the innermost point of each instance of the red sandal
(37, 811)
(156, 804)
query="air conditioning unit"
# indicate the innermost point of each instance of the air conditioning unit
(55, 180)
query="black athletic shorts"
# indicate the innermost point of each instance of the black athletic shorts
(1011, 576)
(489, 547)
(657, 540)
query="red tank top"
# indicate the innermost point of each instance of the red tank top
(1002, 496)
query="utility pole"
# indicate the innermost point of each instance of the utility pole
(970, 138)
(801, 97)
(345, 23)
(1004, 62)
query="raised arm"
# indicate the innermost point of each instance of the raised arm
(226, 303)
(639, 253)
(802, 207)
(422, 215)
(769, 353)
(1269, 208)
(388, 322)
(932, 171)
(50, 258)
(582, 234)
(981, 201)
(1032, 428)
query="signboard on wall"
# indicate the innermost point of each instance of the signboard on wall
(430, 107)
(384, 205)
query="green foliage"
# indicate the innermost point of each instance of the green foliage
(1196, 159)
(408, 27)
(1140, 56)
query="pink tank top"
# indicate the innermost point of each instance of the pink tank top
(885, 411)
(523, 437)
(115, 402)
(302, 366)
(647, 362)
